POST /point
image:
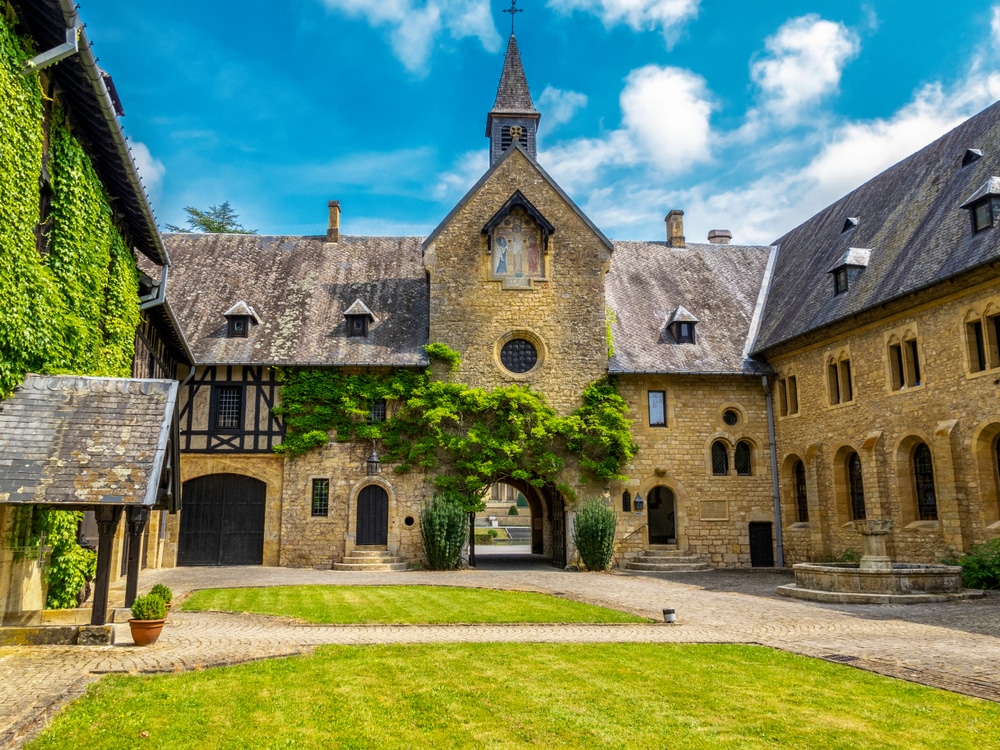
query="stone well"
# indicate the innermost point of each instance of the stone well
(876, 579)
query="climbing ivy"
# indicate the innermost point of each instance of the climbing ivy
(465, 438)
(74, 309)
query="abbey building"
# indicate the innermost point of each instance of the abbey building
(777, 394)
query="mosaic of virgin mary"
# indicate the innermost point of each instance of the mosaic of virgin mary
(517, 247)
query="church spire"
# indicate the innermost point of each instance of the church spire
(513, 117)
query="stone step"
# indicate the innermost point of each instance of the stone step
(371, 567)
(383, 560)
(657, 559)
(665, 567)
(668, 554)
(369, 552)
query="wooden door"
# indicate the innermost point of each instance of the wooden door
(222, 521)
(373, 516)
(761, 545)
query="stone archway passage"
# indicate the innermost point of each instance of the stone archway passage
(661, 510)
(373, 516)
(222, 521)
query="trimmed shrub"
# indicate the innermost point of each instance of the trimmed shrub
(444, 527)
(522, 501)
(163, 592)
(512, 511)
(149, 607)
(980, 566)
(594, 534)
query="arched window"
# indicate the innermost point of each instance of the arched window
(742, 459)
(923, 473)
(857, 487)
(626, 502)
(801, 499)
(720, 459)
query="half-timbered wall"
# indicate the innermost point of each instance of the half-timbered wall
(153, 356)
(230, 408)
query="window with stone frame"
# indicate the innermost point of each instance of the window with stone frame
(743, 459)
(856, 488)
(720, 459)
(923, 475)
(626, 502)
(904, 363)
(320, 497)
(377, 411)
(982, 336)
(788, 396)
(657, 403)
(801, 493)
(840, 381)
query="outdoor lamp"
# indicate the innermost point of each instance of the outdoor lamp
(638, 503)
(374, 465)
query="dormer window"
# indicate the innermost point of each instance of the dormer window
(239, 318)
(358, 318)
(681, 324)
(851, 223)
(971, 155)
(849, 268)
(984, 205)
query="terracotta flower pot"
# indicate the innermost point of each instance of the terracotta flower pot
(145, 632)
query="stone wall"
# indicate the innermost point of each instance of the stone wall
(954, 410)
(713, 512)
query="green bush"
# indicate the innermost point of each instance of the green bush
(149, 607)
(980, 566)
(486, 537)
(594, 534)
(443, 529)
(163, 592)
(512, 511)
(522, 502)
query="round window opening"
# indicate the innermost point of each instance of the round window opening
(730, 417)
(518, 355)
(409, 521)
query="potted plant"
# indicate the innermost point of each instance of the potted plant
(164, 593)
(149, 612)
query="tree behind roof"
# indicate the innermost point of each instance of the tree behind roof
(221, 219)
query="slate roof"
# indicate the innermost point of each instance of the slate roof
(69, 440)
(910, 216)
(84, 90)
(300, 288)
(513, 94)
(719, 285)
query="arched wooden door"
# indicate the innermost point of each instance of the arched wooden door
(660, 508)
(373, 516)
(222, 521)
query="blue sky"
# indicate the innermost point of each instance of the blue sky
(749, 116)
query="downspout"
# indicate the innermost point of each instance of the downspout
(157, 298)
(774, 472)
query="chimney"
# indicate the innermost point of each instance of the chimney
(675, 229)
(720, 236)
(333, 231)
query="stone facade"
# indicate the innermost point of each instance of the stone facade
(953, 410)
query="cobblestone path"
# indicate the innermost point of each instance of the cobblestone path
(954, 646)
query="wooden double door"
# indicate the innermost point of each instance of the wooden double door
(222, 521)
(373, 517)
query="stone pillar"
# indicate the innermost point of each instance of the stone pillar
(946, 484)
(107, 525)
(873, 532)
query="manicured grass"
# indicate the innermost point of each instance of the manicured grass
(401, 604)
(525, 696)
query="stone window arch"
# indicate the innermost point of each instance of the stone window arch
(855, 487)
(720, 458)
(923, 483)
(743, 459)
(801, 492)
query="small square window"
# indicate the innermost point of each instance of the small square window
(238, 327)
(320, 497)
(657, 408)
(982, 215)
(357, 325)
(685, 333)
(376, 412)
(228, 410)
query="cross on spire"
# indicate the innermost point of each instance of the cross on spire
(513, 10)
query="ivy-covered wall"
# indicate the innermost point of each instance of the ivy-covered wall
(74, 309)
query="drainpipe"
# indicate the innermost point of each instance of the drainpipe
(774, 472)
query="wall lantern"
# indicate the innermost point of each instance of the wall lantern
(374, 465)
(638, 503)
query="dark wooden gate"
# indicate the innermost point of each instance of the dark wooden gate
(557, 518)
(761, 545)
(373, 516)
(222, 521)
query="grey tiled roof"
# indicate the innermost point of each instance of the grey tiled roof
(911, 217)
(300, 288)
(718, 284)
(69, 440)
(513, 95)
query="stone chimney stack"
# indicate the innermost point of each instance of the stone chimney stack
(675, 229)
(720, 236)
(333, 230)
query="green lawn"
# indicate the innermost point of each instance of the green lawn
(401, 604)
(524, 696)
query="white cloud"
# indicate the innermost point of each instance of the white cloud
(559, 106)
(668, 15)
(806, 58)
(414, 27)
(456, 183)
(995, 25)
(150, 168)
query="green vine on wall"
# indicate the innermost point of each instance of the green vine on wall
(466, 438)
(76, 309)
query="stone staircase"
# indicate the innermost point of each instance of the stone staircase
(371, 560)
(667, 561)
